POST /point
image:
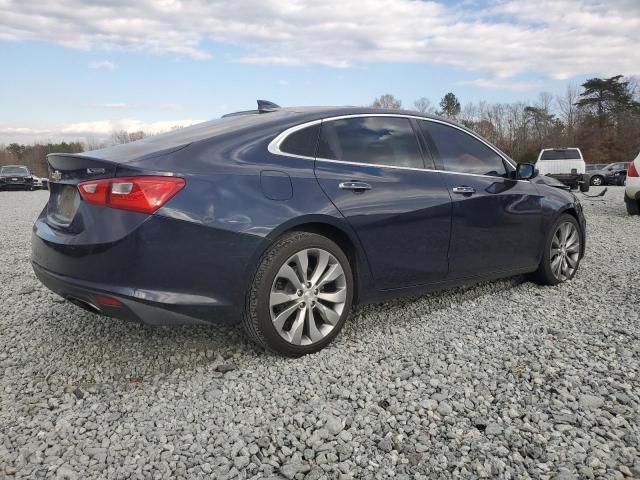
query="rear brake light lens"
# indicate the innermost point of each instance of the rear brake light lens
(105, 301)
(632, 171)
(144, 194)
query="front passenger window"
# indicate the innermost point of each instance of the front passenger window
(461, 152)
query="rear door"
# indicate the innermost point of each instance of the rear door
(372, 169)
(496, 220)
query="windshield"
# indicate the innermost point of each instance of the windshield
(561, 154)
(14, 171)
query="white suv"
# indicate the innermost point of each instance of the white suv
(564, 164)
(632, 190)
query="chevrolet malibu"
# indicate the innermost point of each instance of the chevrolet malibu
(15, 177)
(282, 219)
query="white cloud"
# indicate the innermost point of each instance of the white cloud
(551, 38)
(102, 65)
(501, 84)
(93, 130)
(283, 83)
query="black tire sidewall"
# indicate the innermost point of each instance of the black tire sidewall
(633, 206)
(601, 181)
(263, 290)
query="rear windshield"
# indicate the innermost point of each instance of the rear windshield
(14, 171)
(561, 154)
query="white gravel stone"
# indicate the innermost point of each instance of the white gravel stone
(503, 379)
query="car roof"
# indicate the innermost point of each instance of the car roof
(284, 117)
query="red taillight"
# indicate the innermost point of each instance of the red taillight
(138, 194)
(108, 301)
(632, 171)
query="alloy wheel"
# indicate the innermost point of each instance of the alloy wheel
(308, 296)
(596, 181)
(565, 251)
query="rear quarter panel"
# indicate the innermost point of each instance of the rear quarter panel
(224, 193)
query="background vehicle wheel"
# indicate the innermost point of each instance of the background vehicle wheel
(561, 256)
(633, 207)
(301, 295)
(597, 180)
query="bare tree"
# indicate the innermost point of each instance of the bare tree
(387, 101)
(569, 111)
(123, 136)
(423, 105)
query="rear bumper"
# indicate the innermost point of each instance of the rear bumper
(632, 189)
(149, 307)
(16, 186)
(163, 271)
(632, 197)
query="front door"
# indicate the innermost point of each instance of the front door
(497, 220)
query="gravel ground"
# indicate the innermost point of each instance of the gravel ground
(506, 379)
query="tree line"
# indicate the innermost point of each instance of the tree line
(34, 156)
(601, 117)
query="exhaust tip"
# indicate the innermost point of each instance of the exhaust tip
(84, 305)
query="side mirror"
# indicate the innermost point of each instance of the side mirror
(526, 171)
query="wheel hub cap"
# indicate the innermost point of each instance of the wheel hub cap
(565, 251)
(308, 296)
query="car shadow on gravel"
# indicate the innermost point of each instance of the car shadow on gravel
(396, 311)
(120, 351)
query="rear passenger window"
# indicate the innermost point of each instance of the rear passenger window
(302, 142)
(460, 152)
(376, 140)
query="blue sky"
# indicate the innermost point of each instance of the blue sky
(72, 71)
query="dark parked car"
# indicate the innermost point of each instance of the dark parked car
(15, 177)
(282, 219)
(612, 174)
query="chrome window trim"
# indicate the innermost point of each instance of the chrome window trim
(274, 145)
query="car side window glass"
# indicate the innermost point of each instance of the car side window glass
(461, 152)
(387, 141)
(302, 142)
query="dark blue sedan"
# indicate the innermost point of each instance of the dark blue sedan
(283, 218)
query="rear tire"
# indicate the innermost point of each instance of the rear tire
(560, 251)
(633, 206)
(295, 313)
(597, 180)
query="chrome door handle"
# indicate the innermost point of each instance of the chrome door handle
(464, 190)
(355, 186)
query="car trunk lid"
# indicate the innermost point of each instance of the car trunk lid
(66, 172)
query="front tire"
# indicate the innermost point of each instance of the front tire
(597, 180)
(562, 251)
(301, 295)
(633, 206)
